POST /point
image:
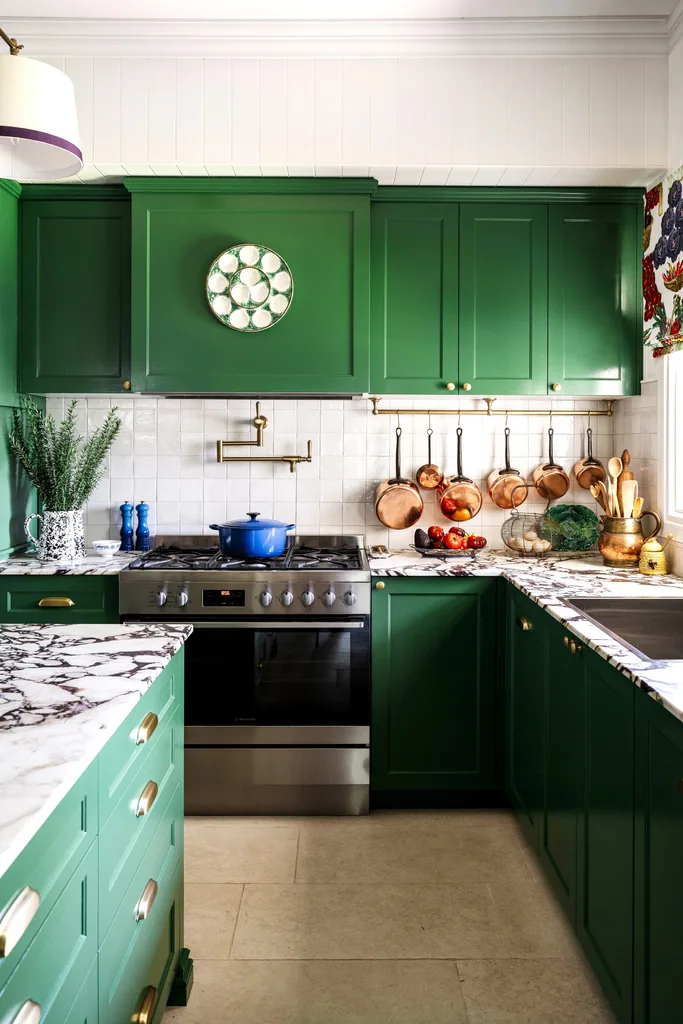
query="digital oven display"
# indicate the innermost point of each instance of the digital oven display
(223, 598)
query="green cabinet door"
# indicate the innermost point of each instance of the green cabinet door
(434, 684)
(9, 221)
(82, 599)
(564, 746)
(321, 344)
(75, 291)
(595, 315)
(503, 299)
(414, 298)
(525, 709)
(604, 917)
(659, 855)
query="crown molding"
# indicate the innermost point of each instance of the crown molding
(601, 36)
(13, 187)
(676, 25)
(252, 186)
(71, 191)
(503, 194)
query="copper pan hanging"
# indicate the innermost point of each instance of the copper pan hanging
(398, 502)
(507, 486)
(459, 497)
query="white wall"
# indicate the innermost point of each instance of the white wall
(166, 455)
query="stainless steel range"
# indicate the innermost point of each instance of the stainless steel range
(277, 671)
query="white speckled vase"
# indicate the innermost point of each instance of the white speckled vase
(61, 539)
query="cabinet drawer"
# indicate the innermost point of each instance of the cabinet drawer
(52, 970)
(45, 866)
(135, 952)
(85, 599)
(127, 833)
(85, 1009)
(133, 742)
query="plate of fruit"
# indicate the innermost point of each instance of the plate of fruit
(456, 543)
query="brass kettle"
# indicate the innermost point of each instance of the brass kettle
(621, 540)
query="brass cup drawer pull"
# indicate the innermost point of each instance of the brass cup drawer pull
(146, 728)
(17, 918)
(147, 798)
(28, 1014)
(145, 1012)
(146, 901)
(574, 647)
(56, 602)
(565, 641)
(524, 624)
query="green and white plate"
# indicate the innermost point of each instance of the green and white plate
(249, 287)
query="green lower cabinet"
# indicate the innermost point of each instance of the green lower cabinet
(659, 855)
(434, 685)
(59, 599)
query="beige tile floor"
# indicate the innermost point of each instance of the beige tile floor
(399, 918)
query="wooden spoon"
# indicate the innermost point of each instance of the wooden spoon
(629, 493)
(599, 496)
(625, 474)
(638, 507)
(614, 468)
(605, 497)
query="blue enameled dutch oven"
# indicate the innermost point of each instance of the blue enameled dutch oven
(252, 537)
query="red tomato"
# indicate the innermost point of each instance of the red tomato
(454, 542)
(459, 530)
(476, 542)
(435, 532)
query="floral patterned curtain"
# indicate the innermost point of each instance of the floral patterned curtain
(663, 266)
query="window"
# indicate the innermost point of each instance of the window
(671, 475)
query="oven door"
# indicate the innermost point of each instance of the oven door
(285, 681)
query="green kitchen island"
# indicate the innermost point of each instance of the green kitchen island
(91, 823)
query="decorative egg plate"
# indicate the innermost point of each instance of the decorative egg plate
(249, 287)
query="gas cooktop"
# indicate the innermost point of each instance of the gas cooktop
(303, 553)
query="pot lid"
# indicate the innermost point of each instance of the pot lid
(253, 523)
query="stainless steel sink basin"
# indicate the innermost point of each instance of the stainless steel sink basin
(651, 627)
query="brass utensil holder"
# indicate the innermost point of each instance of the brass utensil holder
(622, 539)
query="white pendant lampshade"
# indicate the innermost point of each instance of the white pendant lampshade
(38, 124)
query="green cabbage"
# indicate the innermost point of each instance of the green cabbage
(570, 527)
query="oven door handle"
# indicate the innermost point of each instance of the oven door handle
(264, 624)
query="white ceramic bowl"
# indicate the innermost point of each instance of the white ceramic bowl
(106, 548)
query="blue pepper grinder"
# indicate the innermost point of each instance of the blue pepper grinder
(126, 526)
(142, 532)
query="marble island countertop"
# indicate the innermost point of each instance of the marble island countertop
(548, 581)
(64, 690)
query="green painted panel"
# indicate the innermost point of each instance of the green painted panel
(595, 314)
(606, 835)
(503, 298)
(659, 855)
(414, 293)
(17, 496)
(525, 710)
(434, 685)
(320, 345)
(95, 598)
(9, 220)
(75, 312)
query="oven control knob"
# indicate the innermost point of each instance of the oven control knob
(182, 598)
(286, 598)
(161, 597)
(265, 599)
(349, 598)
(328, 598)
(307, 598)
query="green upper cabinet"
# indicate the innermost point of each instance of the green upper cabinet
(503, 299)
(595, 311)
(434, 685)
(9, 219)
(75, 292)
(319, 345)
(414, 309)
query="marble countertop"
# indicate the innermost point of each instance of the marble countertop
(547, 581)
(91, 565)
(64, 690)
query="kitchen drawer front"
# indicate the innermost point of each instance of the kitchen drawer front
(134, 953)
(85, 1009)
(133, 742)
(93, 599)
(125, 836)
(52, 970)
(45, 866)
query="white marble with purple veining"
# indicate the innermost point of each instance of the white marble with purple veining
(64, 690)
(547, 581)
(91, 565)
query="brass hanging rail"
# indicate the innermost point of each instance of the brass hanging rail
(490, 411)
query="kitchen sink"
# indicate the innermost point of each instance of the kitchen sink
(651, 627)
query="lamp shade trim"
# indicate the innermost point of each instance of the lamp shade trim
(35, 136)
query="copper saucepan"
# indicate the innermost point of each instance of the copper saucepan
(549, 478)
(589, 470)
(398, 502)
(507, 485)
(429, 476)
(459, 497)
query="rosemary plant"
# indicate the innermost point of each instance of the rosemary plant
(64, 469)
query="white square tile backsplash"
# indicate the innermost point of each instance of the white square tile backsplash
(166, 456)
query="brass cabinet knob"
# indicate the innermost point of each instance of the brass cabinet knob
(146, 901)
(147, 798)
(56, 602)
(145, 1011)
(17, 918)
(557, 387)
(28, 1014)
(450, 386)
(565, 641)
(524, 624)
(467, 387)
(379, 585)
(146, 727)
(126, 385)
(574, 647)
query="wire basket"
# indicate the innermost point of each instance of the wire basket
(527, 533)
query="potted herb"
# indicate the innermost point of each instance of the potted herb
(65, 470)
